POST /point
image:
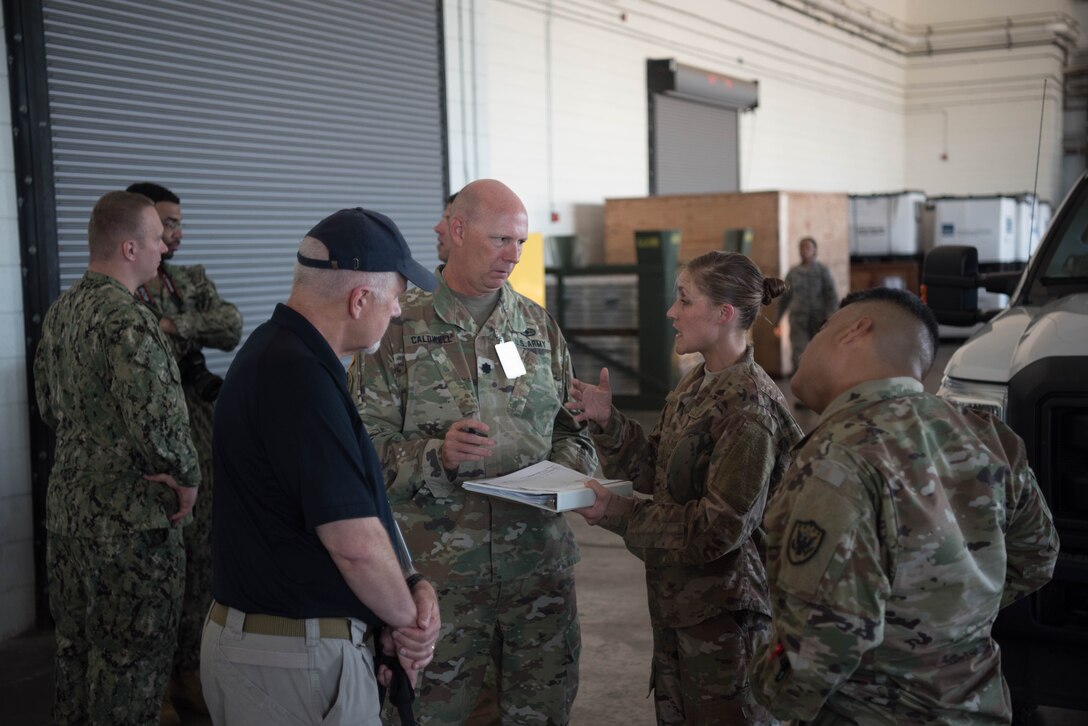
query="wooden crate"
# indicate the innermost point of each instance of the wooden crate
(903, 273)
(778, 221)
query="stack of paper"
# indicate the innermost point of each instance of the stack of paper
(546, 485)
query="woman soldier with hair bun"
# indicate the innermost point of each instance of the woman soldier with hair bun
(722, 444)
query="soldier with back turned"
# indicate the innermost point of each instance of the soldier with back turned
(901, 529)
(125, 475)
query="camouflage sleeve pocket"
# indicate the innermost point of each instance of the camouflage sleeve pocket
(819, 534)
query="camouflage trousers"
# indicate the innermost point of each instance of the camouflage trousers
(527, 630)
(802, 329)
(115, 602)
(198, 545)
(700, 673)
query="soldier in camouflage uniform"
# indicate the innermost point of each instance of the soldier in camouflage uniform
(810, 299)
(442, 230)
(125, 476)
(723, 441)
(442, 408)
(901, 529)
(193, 316)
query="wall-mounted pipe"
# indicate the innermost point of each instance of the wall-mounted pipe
(960, 36)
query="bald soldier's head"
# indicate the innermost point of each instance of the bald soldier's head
(488, 226)
(877, 333)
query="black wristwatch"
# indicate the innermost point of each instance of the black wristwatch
(412, 580)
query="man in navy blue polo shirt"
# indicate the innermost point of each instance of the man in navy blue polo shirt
(304, 542)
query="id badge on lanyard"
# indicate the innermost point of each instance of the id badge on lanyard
(510, 359)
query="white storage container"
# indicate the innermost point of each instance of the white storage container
(885, 224)
(987, 223)
(1033, 218)
(1043, 214)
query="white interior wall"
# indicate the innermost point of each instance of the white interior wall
(820, 99)
(16, 519)
(989, 128)
(567, 119)
(469, 142)
(925, 12)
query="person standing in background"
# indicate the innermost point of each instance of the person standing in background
(194, 317)
(442, 230)
(810, 299)
(125, 476)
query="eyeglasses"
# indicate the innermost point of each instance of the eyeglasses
(171, 223)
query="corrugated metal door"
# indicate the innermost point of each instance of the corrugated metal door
(262, 115)
(694, 147)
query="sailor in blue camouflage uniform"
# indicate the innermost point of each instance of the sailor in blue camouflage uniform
(904, 525)
(126, 474)
(194, 317)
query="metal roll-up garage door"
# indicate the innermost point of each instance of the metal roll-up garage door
(262, 115)
(693, 127)
(695, 149)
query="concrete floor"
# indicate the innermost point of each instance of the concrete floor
(615, 663)
(616, 637)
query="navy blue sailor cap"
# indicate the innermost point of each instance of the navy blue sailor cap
(363, 240)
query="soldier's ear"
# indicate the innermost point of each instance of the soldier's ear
(128, 249)
(858, 329)
(457, 229)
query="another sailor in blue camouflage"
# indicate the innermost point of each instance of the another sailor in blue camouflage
(901, 529)
(194, 317)
(125, 475)
(441, 409)
(723, 442)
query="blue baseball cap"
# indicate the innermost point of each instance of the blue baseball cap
(359, 239)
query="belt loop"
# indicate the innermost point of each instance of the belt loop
(236, 620)
(358, 632)
(313, 632)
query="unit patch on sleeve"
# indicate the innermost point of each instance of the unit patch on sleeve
(804, 542)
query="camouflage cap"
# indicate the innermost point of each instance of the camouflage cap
(359, 239)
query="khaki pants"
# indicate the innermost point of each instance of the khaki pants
(273, 679)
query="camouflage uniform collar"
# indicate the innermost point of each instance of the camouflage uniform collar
(705, 385)
(101, 278)
(871, 392)
(450, 310)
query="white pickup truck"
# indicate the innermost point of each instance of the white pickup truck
(1029, 364)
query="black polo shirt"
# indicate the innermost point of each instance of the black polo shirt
(290, 454)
